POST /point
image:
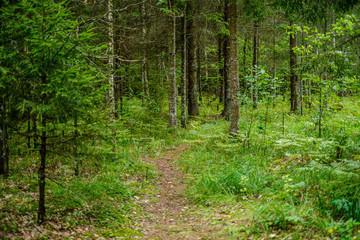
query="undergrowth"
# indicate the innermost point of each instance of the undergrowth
(300, 185)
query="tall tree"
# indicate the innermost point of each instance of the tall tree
(226, 69)
(234, 68)
(172, 67)
(111, 57)
(294, 78)
(183, 72)
(255, 65)
(4, 147)
(144, 67)
(193, 107)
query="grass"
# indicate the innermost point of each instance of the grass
(301, 186)
(276, 178)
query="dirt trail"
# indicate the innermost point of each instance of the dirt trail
(168, 215)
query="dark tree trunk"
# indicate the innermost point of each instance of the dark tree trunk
(183, 73)
(226, 50)
(77, 163)
(198, 71)
(42, 176)
(220, 87)
(172, 70)
(193, 108)
(35, 133)
(29, 131)
(294, 79)
(144, 68)
(244, 83)
(274, 70)
(234, 69)
(4, 147)
(255, 64)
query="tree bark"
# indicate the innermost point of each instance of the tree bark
(294, 79)
(144, 68)
(172, 70)
(183, 73)
(226, 50)
(220, 87)
(255, 64)
(244, 83)
(42, 176)
(193, 108)
(198, 71)
(234, 69)
(4, 147)
(274, 69)
(111, 58)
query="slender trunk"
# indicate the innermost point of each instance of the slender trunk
(220, 87)
(198, 71)
(77, 163)
(193, 108)
(320, 110)
(274, 69)
(294, 79)
(255, 65)
(4, 146)
(29, 131)
(111, 60)
(244, 83)
(207, 87)
(226, 50)
(42, 176)
(172, 70)
(35, 133)
(144, 70)
(234, 69)
(183, 73)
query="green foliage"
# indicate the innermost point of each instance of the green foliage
(299, 178)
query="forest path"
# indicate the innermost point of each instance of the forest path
(167, 214)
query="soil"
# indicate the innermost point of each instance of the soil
(168, 214)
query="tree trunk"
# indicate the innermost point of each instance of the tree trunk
(294, 79)
(220, 87)
(183, 73)
(198, 71)
(111, 60)
(144, 69)
(193, 108)
(29, 131)
(42, 176)
(77, 163)
(255, 64)
(274, 69)
(244, 83)
(172, 70)
(226, 50)
(234, 69)
(4, 147)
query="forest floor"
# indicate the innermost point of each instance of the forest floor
(169, 214)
